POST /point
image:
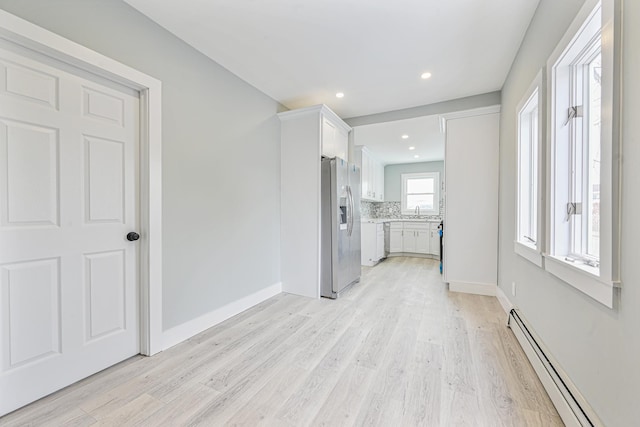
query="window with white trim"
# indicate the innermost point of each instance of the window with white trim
(420, 193)
(583, 175)
(528, 241)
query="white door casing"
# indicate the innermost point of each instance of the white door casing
(40, 212)
(68, 197)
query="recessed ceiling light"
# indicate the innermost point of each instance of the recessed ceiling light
(339, 95)
(416, 156)
(425, 76)
(405, 136)
(412, 148)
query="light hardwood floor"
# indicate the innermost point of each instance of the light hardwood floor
(397, 349)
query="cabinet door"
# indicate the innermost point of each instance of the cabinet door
(341, 144)
(373, 167)
(371, 177)
(395, 243)
(409, 241)
(422, 241)
(380, 182)
(368, 244)
(328, 138)
(364, 175)
(434, 246)
(380, 242)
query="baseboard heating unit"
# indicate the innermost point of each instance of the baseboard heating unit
(572, 407)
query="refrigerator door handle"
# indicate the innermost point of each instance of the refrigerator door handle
(349, 211)
(353, 208)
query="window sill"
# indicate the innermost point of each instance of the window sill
(584, 278)
(528, 252)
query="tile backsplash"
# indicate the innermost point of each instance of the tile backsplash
(391, 210)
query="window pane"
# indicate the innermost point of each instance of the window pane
(593, 178)
(525, 180)
(528, 172)
(533, 184)
(421, 185)
(424, 201)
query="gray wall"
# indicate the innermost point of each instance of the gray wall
(221, 155)
(596, 346)
(393, 182)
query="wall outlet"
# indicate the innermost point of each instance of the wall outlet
(513, 288)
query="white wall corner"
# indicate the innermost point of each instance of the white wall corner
(488, 289)
(503, 300)
(193, 327)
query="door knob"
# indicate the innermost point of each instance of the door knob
(133, 236)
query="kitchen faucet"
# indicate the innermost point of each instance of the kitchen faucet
(417, 210)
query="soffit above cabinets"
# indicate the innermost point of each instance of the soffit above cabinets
(302, 53)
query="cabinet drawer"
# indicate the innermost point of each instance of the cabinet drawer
(396, 225)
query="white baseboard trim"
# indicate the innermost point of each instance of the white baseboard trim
(413, 255)
(569, 402)
(473, 288)
(503, 300)
(182, 332)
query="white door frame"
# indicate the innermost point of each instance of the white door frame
(30, 36)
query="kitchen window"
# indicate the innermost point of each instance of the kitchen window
(584, 145)
(420, 193)
(528, 241)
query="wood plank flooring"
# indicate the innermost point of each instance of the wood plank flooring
(397, 349)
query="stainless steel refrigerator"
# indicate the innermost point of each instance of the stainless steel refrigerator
(340, 227)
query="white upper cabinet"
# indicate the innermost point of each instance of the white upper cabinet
(365, 171)
(372, 173)
(335, 138)
(379, 177)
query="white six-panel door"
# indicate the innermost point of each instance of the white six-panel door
(68, 198)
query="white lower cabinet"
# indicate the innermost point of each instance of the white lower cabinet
(422, 241)
(395, 237)
(434, 238)
(414, 238)
(380, 241)
(408, 241)
(372, 243)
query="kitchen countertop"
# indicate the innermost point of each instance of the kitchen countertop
(379, 220)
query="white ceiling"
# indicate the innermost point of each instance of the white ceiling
(302, 53)
(386, 143)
